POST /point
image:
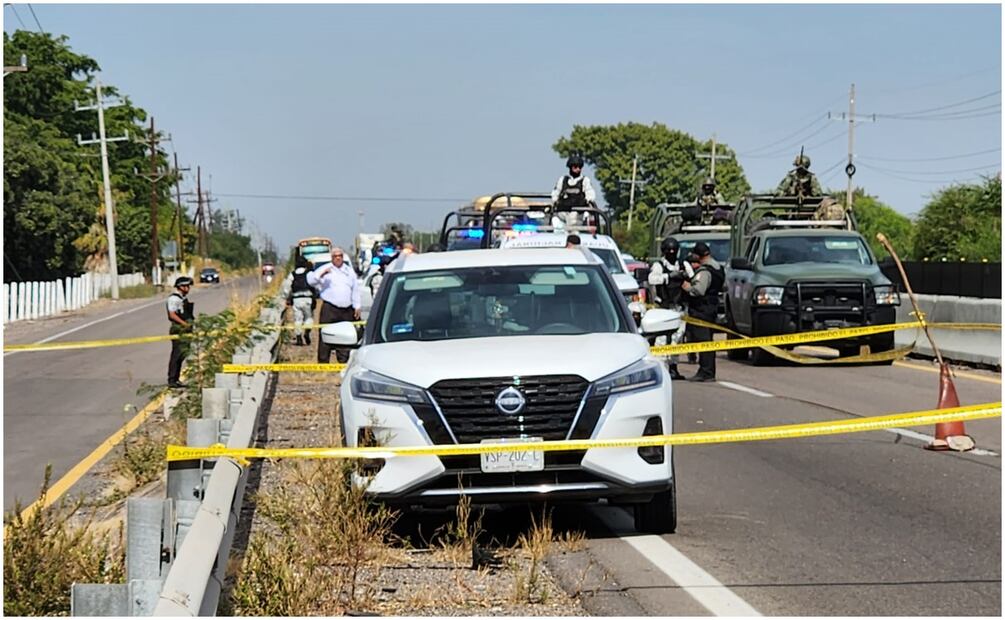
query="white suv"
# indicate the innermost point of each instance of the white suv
(489, 346)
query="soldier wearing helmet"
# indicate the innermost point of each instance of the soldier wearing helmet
(800, 181)
(181, 313)
(573, 190)
(666, 277)
(709, 197)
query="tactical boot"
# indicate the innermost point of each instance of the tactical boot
(300, 341)
(307, 338)
(674, 373)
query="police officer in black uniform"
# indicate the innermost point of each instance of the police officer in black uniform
(666, 277)
(181, 313)
(703, 301)
(573, 190)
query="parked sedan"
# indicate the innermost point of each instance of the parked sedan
(210, 274)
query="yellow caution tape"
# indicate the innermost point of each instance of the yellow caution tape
(282, 367)
(781, 339)
(87, 344)
(975, 326)
(882, 356)
(763, 433)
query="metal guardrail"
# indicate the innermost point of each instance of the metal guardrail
(177, 547)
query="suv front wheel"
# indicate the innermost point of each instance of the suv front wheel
(658, 515)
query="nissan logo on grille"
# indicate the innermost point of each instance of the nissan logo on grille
(510, 401)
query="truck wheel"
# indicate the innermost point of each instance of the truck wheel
(658, 515)
(760, 357)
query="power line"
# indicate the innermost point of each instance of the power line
(953, 114)
(949, 157)
(939, 108)
(791, 145)
(922, 181)
(343, 198)
(40, 29)
(839, 134)
(18, 16)
(996, 67)
(948, 117)
(926, 172)
(779, 141)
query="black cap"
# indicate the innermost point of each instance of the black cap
(183, 281)
(701, 249)
(573, 239)
(574, 160)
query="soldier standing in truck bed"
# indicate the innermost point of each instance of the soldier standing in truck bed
(800, 181)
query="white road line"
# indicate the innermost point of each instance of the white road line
(743, 388)
(927, 439)
(702, 587)
(85, 325)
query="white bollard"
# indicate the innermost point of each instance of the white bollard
(21, 286)
(43, 299)
(6, 301)
(33, 301)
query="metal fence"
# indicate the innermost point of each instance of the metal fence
(983, 280)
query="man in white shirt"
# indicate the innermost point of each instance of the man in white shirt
(338, 288)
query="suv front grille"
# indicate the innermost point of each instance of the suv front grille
(468, 405)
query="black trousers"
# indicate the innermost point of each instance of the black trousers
(706, 359)
(333, 314)
(179, 351)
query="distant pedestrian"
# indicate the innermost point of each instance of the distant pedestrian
(340, 295)
(181, 313)
(302, 299)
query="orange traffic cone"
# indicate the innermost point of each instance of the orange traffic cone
(949, 435)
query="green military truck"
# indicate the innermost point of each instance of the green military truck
(793, 271)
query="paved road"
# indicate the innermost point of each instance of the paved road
(865, 524)
(60, 405)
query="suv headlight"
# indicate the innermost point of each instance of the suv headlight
(769, 295)
(641, 375)
(375, 386)
(887, 295)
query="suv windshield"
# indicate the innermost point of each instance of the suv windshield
(788, 250)
(209, 270)
(498, 301)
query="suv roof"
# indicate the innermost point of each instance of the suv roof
(808, 232)
(492, 258)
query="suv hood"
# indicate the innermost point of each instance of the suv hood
(590, 356)
(823, 271)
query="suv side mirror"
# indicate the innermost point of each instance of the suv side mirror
(642, 275)
(740, 263)
(341, 334)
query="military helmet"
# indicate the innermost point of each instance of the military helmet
(670, 244)
(574, 160)
(709, 182)
(801, 161)
(182, 281)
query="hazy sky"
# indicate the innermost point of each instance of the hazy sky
(451, 102)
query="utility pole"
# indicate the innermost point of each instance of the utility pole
(155, 175)
(713, 156)
(852, 118)
(203, 216)
(21, 68)
(631, 194)
(113, 266)
(178, 213)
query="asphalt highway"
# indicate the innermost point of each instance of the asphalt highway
(60, 405)
(864, 524)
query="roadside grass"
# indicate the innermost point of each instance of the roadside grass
(324, 541)
(528, 586)
(47, 551)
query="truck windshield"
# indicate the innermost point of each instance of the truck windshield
(610, 258)
(719, 248)
(788, 250)
(498, 301)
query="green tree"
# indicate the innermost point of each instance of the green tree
(232, 248)
(873, 217)
(47, 204)
(668, 164)
(962, 222)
